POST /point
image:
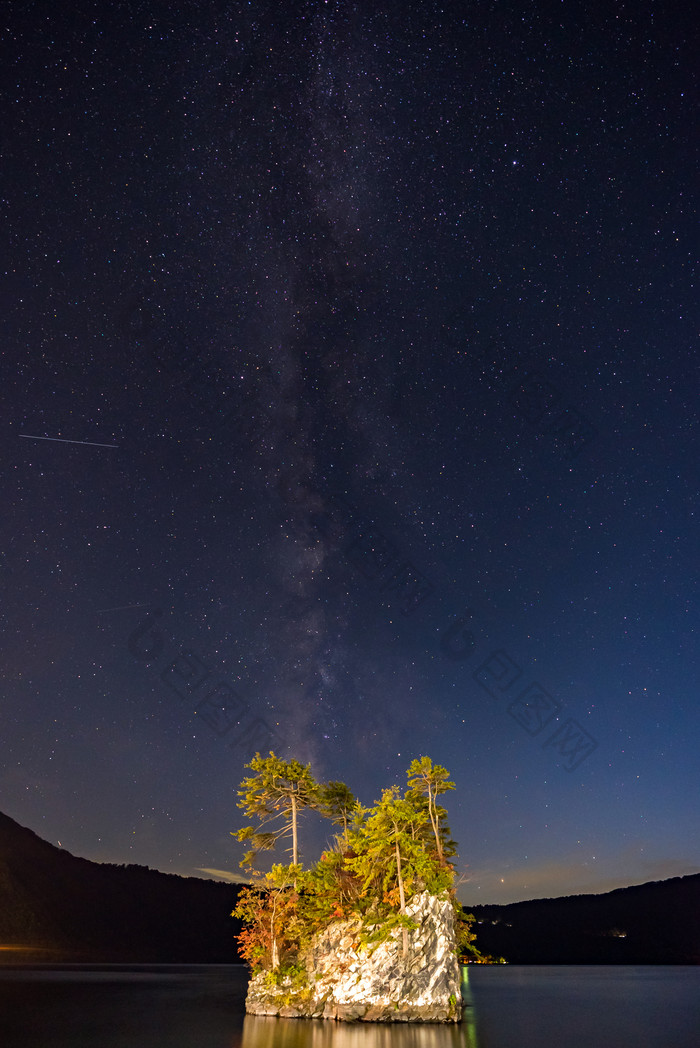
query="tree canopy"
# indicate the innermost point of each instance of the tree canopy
(429, 780)
(275, 795)
(380, 858)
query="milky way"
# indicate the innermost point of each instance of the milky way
(355, 349)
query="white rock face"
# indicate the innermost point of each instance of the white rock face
(351, 982)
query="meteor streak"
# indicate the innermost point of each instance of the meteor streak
(63, 440)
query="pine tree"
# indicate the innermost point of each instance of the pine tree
(390, 857)
(430, 780)
(337, 803)
(275, 795)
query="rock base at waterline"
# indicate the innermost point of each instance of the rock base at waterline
(351, 982)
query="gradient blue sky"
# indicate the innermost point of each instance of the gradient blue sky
(387, 318)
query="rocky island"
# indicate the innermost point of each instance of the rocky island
(372, 931)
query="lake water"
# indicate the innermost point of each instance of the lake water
(174, 1006)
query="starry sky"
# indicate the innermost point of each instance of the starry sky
(349, 409)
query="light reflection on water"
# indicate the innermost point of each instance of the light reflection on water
(203, 1007)
(261, 1032)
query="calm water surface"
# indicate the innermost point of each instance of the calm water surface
(173, 1006)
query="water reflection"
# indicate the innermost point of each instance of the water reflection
(263, 1031)
(202, 1007)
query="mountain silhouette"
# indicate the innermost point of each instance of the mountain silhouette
(653, 923)
(57, 907)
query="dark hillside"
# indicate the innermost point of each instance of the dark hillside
(653, 923)
(69, 909)
(80, 910)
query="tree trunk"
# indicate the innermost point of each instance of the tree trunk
(295, 848)
(273, 938)
(433, 819)
(402, 897)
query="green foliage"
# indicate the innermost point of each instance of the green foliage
(337, 803)
(291, 976)
(375, 932)
(288, 985)
(389, 853)
(382, 858)
(466, 945)
(275, 795)
(427, 781)
(329, 891)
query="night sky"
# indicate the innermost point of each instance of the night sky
(361, 338)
